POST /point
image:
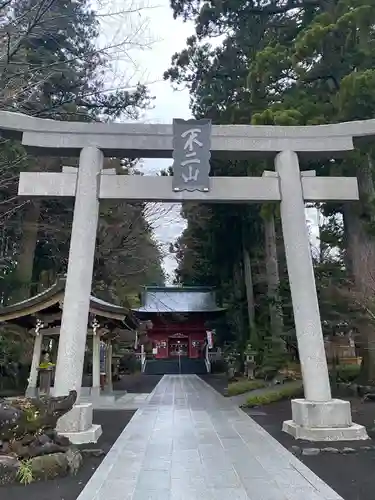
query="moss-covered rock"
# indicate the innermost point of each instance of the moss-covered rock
(9, 467)
(30, 416)
(49, 466)
(75, 460)
(30, 448)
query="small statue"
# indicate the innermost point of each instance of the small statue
(46, 361)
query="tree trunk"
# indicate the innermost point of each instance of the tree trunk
(360, 248)
(25, 261)
(238, 312)
(273, 278)
(248, 286)
(30, 228)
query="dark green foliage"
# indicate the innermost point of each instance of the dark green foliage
(282, 63)
(243, 385)
(53, 67)
(279, 393)
(347, 373)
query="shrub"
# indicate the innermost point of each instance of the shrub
(347, 373)
(272, 396)
(244, 385)
(25, 473)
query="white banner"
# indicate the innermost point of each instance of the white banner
(210, 340)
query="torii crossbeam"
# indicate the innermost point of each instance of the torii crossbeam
(318, 416)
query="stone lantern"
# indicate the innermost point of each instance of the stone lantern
(250, 364)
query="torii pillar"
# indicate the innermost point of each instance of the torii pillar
(318, 417)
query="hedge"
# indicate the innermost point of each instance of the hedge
(278, 394)
(244, 385)
(347, 373)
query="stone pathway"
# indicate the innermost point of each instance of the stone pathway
(190, 443)
(117, 400)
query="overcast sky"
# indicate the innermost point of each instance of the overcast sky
(168, 104)
(155, 27)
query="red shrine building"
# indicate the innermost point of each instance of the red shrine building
(177, 319)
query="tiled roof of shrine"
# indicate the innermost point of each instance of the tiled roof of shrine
(51, 300)
(178, 300)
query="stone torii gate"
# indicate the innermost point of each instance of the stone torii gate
(318, 416)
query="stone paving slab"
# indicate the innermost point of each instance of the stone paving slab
(189, 443)
(121, 401)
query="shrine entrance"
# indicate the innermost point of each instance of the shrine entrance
(191, 143)
(178, 319)
(178, 345)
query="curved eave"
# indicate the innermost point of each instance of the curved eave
(55, 295)
(107, 310)
(35, 304)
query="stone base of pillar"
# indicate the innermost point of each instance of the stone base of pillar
(32, 392)
(91, 435)
(103, 399)
(77, 425)
(95, 392)
(323, 421)
(108, 389)
(96, 396)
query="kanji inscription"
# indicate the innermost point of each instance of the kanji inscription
(191, 155)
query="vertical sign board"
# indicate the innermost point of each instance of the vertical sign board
(191, 155)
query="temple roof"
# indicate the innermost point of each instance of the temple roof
(178, 300)
(51, 300)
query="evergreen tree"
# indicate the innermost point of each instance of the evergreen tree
(52, 67)
(294, 63)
